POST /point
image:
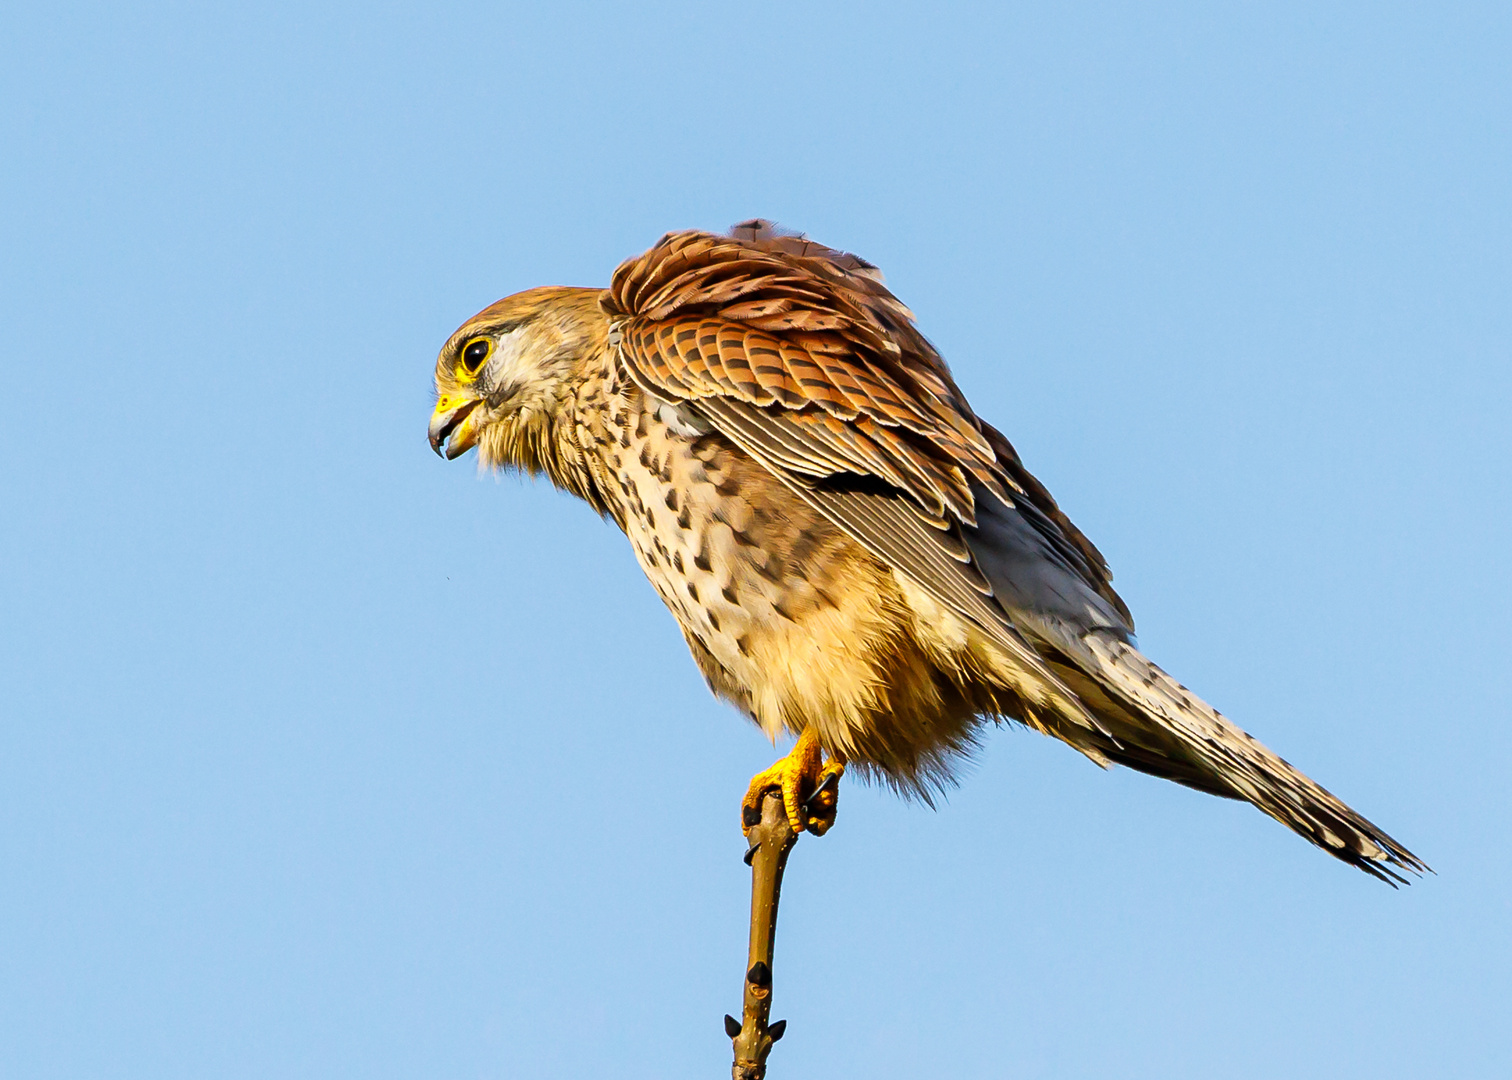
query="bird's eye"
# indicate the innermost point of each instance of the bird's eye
(475, 355)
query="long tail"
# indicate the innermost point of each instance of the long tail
(1158, 726)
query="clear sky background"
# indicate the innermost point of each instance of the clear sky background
(323, 758)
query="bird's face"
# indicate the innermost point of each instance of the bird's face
(501, 378)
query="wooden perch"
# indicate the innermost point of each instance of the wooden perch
(771, 840)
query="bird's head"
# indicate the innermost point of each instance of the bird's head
(502, 378)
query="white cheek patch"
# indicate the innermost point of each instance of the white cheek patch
(507, 363)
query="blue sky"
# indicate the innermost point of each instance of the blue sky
(320, 757)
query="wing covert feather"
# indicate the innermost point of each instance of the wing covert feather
(801, 355)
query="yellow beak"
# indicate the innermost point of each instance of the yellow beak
(451, 424)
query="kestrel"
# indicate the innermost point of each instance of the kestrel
(854, 557)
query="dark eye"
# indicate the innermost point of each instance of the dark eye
(475, 354)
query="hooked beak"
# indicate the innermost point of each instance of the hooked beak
(449, 425)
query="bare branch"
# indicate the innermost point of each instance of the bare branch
(771, 840)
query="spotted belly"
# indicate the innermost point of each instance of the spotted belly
(788, 617)
(742, 571)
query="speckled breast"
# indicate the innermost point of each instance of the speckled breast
(741, 562)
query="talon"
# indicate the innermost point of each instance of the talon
(830, 781)
(810, 788)
(819, 808)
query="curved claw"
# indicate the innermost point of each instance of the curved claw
(820, 807)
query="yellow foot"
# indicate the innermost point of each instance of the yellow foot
(810, 787)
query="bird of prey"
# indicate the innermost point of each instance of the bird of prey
(854, 557)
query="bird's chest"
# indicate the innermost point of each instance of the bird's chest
(740, 562)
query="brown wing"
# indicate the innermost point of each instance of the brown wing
(816, 354)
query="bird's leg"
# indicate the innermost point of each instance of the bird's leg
(809, 785)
